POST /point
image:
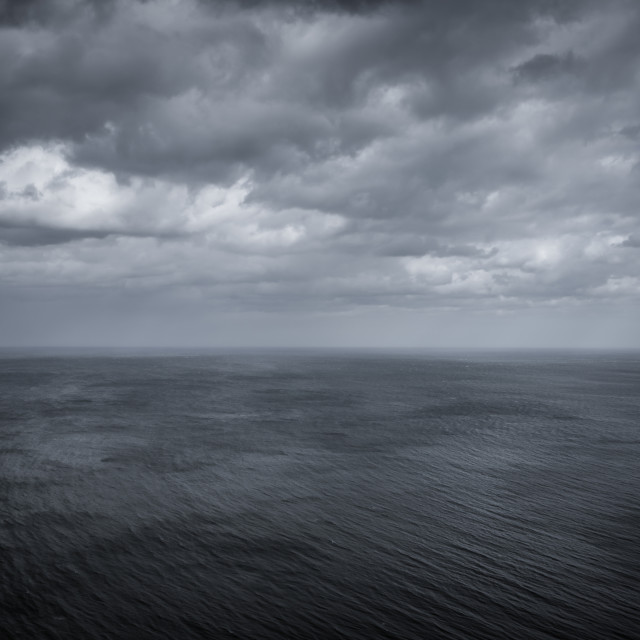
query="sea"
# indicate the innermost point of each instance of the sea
(319, 494)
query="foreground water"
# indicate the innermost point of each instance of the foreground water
(310, 495)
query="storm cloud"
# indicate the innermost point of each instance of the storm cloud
(340, 172)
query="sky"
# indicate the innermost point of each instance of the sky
(348, 173)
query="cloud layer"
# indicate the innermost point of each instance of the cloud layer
(320, 160)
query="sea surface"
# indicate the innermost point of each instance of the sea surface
(319, 495)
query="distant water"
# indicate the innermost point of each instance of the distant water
(310, 495)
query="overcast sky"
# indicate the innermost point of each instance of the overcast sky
(346, 173)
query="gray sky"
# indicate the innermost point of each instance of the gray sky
(342, 173)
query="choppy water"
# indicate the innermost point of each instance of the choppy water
(320, 496)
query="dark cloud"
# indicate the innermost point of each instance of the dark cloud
(544, 66)
(20, 13)
(105, 84)
(338, 155)
(631, 131)
(24, 235)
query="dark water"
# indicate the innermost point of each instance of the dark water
(320, 496)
